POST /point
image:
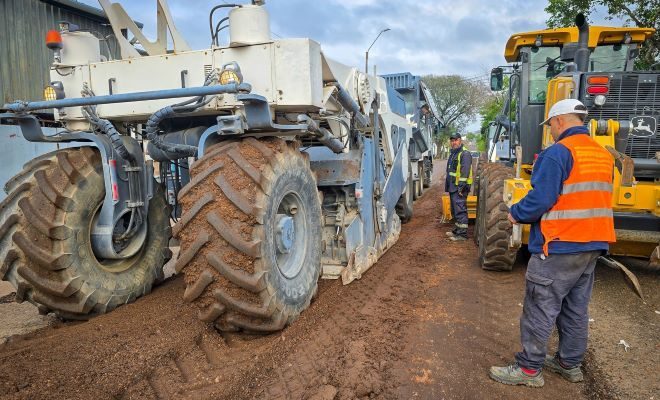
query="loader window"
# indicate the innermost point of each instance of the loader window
(609, 58)
(544, 65)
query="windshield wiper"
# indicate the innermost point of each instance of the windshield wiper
(548, 62)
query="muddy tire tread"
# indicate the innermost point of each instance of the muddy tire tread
(214, 234)
(36, 246)
(495, 228)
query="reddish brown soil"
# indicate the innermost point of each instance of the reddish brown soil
(425, 322)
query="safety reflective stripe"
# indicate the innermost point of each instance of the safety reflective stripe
(578, 214)
(587, 187)
(461, 225)
(457, 173)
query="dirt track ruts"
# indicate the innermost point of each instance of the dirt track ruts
(425, 322)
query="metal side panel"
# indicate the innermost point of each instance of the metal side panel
(374, 242)
(396, 180)
(298, 73)
(171, 71)
(363, 253)
(354, 235)
(334, 169)
(365, 188)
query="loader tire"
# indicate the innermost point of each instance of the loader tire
(404, 207)
(494, 228)
(482, 162)
(482, 168)
(45, 247)
(428, 172)
(233, 248)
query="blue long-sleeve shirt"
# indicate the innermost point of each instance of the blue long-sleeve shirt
(551, 169)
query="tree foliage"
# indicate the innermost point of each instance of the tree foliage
(639, 13)
(458, 101)
(490, 109)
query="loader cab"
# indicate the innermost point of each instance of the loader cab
(547, 71)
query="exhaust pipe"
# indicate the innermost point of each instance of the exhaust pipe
(582, 53)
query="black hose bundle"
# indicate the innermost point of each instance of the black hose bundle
(106, 127)
(152, 127)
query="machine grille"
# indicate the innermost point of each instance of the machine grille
(207, 69)
(632, 95)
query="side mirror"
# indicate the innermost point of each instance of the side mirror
(496, 79)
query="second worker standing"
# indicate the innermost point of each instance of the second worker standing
(457, 184)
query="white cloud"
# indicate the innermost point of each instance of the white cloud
(464, 37)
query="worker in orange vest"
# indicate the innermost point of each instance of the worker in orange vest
(570, 212)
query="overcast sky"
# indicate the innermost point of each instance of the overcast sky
(464, 37)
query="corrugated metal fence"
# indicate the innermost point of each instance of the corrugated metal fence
(24, 57)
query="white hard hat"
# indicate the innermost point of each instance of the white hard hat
(567, 106)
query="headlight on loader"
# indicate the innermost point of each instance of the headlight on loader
(231, 73)
(54, 91)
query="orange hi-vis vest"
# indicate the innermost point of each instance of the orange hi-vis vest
(583, 212)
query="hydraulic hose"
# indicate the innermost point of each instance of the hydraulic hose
(152, 127)
(345, 99)
(107, 128)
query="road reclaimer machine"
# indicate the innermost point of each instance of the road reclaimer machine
(595, 65)
(278, 164)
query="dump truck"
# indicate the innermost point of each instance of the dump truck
(594, 64)
(415, 95)
(270, 164)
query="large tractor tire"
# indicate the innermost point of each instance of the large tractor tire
(428, 172)
(404, 207)
(482, 163)
(494, 228)
(250, 235)
(45, 247)
(482, 167)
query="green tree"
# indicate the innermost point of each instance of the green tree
(640, 13)
(458, 101)
(489, 111)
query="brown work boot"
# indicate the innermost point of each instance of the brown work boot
(513, 375)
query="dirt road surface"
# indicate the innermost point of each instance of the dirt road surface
(424, 323)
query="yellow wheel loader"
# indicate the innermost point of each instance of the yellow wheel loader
(595, 65)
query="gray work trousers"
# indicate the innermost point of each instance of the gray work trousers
(459, 212)
(558, 291)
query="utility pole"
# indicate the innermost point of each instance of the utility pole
(366, 56)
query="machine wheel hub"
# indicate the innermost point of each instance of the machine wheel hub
(285, 233)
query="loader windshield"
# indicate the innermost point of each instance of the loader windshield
(544, 65)
(609, 58)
